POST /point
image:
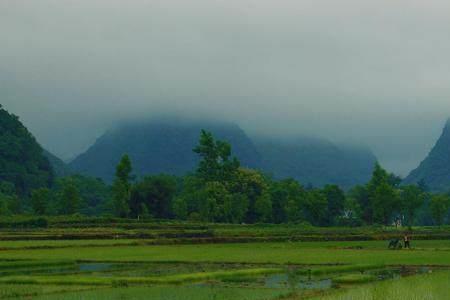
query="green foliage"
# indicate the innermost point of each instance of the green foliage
(219, 191)
(263, 208)
(216, 163)
(180, 208)
(439, 206)
(40, 199)
(360, 195)
(5, 203)
(120, 198)
(383, 197)
(412, 198)
(288, 197)
(69, 197)
(250, 188)
(385, 201)
(9, 202)
(22, 162)
(154, 193)
(352, 215)
(124, 169)
(316, 205)
(336, 201)
(122, 187)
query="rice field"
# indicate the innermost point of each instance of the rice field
(141, 268)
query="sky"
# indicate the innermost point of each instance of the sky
(373, 72)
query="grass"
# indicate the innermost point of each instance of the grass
(59, 269)
(170, 293)
(354, 278)
(118, 281)
(27, 291)
(429, 286)
(274, 253)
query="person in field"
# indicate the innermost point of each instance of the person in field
(406, 241)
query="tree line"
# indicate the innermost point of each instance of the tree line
(221, 190)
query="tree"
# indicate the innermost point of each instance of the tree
(360, 195)
(120, 199)
(216, 163)
(412, 198)
(316, 207)
(10, 203)
(249, 186)
(180, 208)
(70, 198)
(382, 195)
(22, 162)
(288, 198)
(122, 187)
(352, 213)
(336, 200)
(156, 193)
(5, 202)
(219, 191)
(439, 206)
(385, 200)
(263, 208)
(40, 200)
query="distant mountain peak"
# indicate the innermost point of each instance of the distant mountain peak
(447, 125)
(160, 146)
(434, 170)
(165, 146)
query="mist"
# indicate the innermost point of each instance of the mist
(371, 72)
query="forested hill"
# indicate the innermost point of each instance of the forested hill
(166, 147)
(316, 161)
(434, 170)
(22, 162)
(160, 147)
(60, 168)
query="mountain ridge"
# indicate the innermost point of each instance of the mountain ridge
(165, 146)
(434, 170)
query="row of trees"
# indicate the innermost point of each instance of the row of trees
(220, 190)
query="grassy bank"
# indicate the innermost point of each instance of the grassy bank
(427, 253)
(430, 287)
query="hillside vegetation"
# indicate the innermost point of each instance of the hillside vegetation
(23, 166)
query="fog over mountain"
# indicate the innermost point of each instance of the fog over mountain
(370, 72)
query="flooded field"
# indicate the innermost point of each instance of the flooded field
(224, 271)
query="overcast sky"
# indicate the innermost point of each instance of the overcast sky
(375, 72)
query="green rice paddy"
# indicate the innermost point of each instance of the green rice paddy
(122, 268)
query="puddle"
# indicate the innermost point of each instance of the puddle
(300, 282)
(94, 267)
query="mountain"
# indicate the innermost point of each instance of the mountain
(160, 146)
(434, 170)
(60, 168)
(22, 160)
(316, 161)
(166, 147)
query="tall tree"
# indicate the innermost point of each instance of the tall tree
(385, 200)
(412, 198)
(316, 207)
(156, 194)
(439, 206)
(360, 195)
(383, 196)
(122, 187)
(216, 163)
(336, 201)
(70, 198)
(39, 200)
